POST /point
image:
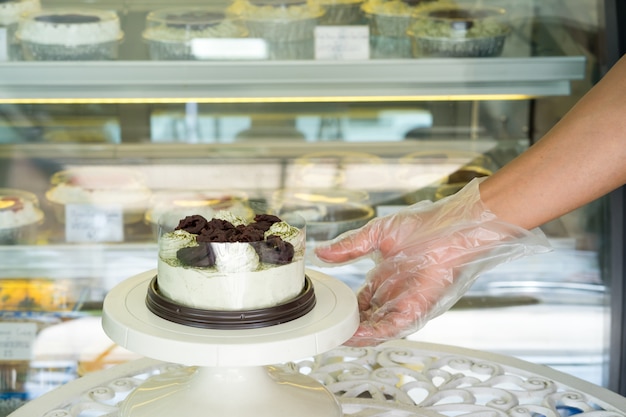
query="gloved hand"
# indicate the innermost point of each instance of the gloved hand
(425, 258)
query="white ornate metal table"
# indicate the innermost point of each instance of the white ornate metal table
(396, 379)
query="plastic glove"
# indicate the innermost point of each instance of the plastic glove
(425, 258)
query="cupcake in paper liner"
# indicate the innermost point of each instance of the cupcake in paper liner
(278, 20)
(392, 18)
(459, 31)
(170, 33)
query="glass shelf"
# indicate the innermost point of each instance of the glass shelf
(435, 78)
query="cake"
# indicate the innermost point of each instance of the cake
(19, 216)
(10, 11)
(100, 187)
(69, 34)
(341, 12)
(228, 263)
(457, 31)
(278, 20)
(432, 175)
(392, 18)
(170, 32)
(327, 212)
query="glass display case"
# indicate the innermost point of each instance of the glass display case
(112, 110)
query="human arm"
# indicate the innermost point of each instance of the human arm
(582, 158)
(429, 254)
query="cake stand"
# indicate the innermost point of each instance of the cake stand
(230, 372)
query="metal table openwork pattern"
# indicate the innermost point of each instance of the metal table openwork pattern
(396, 379)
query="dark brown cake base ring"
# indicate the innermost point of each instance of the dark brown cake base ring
(234, 319)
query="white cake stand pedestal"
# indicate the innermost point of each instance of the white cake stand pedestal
(230, 372)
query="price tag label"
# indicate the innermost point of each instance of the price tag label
(89, 223)
(16, 340)
(229, 48)
(4, 45)
(342, 42)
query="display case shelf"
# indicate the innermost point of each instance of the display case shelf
(223, 81)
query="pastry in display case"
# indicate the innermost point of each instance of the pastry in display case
(20, 217)
(279, 20)
(44, 295)
(459, 31)
(69, 34)
(10, 11)
(328, 212)
(99, 187)
(170, 32)
(433, 175)
(344, 170)
(341, 12)
(338, 169)
(392, 18)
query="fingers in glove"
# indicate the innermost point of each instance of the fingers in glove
(348, 246)
(396, 302)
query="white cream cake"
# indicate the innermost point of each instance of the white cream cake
(100, 186)
(70, 27)
(229, 263)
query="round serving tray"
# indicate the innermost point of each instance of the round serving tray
(233, 319)
(127, 320)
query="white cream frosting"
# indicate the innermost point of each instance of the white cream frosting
(235, 257)
(28, 214)
(11, 11)
(170, 243)
(70, 34)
